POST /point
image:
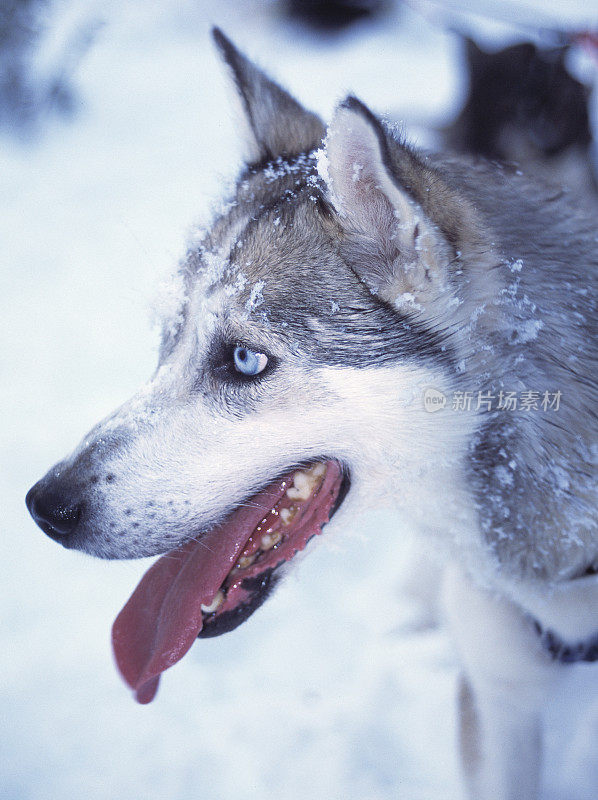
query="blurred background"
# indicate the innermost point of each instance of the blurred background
(116, 138)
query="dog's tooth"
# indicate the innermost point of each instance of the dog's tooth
(268, 540)
(287, 514)
(301, 488)
(246, 561)
(318, 470)
(305, 481)
(215, 604)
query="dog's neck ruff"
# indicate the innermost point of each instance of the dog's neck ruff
(567, 652)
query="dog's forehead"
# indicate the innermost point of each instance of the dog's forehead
(271, 255)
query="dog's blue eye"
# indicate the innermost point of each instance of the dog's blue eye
(248, 361)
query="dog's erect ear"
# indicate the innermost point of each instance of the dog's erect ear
(476, 57)
(278, 124)
(403, 224)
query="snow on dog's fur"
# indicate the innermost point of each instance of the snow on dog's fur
(348, 280)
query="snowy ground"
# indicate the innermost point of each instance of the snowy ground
(318, 695)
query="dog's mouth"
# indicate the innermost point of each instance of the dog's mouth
(213, 583)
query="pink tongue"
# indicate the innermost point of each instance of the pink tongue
(162, 617)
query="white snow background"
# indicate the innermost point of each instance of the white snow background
(319, 694)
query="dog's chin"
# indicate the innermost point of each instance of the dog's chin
(216, 580)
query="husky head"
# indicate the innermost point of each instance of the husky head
(312, 316)
(523, 105)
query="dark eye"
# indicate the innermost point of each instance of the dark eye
(248, 362)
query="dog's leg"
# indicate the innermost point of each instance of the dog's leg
(509, 678)
(469, 732)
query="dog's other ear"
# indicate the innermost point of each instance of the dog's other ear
(476, 57)
(403, 224)
(278, 124)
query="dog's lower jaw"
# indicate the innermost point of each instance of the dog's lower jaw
(258, 590)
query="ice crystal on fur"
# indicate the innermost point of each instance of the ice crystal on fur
(322, 165)
(166, 311)
(528, 330)
(215, 264)
(256, 298)
(236, 286)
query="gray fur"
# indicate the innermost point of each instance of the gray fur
(534, 328)
(534, 524)
(331, 287)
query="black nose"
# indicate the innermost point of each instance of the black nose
(55, 514)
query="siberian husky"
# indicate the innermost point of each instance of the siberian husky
(364, 323)
(525, 106)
